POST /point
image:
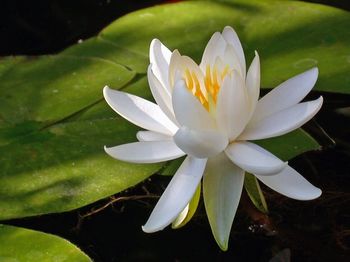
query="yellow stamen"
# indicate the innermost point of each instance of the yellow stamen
(225, 72)
(189, 80)
(212, 82)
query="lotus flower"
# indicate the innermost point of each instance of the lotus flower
(209, 113)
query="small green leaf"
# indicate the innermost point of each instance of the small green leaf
(19, 244)
(255, 194)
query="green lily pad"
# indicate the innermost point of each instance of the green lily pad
(54, 122)
(19, 244)
(313, 35)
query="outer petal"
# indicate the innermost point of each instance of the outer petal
(222, 188)
(152, 136)
(287, 94)
(253, 82)
(189, 111)
(231, 37)
(254, 158)
(159, 56)
(161, 95)
(282, 122)
(145, 152)
(200, 144)
(177, 195)
(215, 48)
(232, 109)
(139, 111)
(291, 184)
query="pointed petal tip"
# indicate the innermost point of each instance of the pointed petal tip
(108, 151)
(314, 71)
(154, 42)
(319, 193)
(311, 76)
(147, 229)
(256, 63)
(316, 193)
(105, 91)
(318, 104)
(108, 93)
(177, 52)
(222, 242)
(223, 246)
(228, 29)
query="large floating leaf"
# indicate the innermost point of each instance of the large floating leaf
(54, 123)
(290, 37)
(49, 166)
(19, 244)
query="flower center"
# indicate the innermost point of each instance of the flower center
(208, 93)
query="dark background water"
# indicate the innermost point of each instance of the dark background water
(302, 231)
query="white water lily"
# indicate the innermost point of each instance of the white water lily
(209, 113)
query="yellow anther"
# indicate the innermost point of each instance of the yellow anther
(212, 82)
(189, 79)
(225, 72)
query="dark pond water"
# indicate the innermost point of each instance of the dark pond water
(296, 231)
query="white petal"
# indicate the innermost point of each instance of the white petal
(253, 82)
(139, 111)
(282, 122)
(222, 188)
(161, 95)
(145, 152)
(181, 66)
(151, 136)
(231, 59)
(232, 109)
(177, 194)
(215, 48)
(291, 184)
(254, 158)
(189, 111)
(231, 37)
(159, 56)
(200, 144)
(174, 66)
(287, 94)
